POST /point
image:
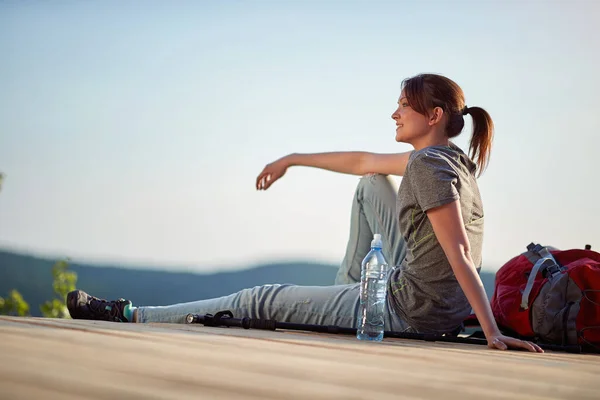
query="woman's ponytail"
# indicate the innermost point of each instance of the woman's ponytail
(480, 146)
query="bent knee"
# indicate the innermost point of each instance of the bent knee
(375, 182)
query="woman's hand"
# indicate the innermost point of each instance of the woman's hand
(271, 173)
(502, 342)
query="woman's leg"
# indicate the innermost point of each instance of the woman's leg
(373, 211)
(329, 305)
(318, 305)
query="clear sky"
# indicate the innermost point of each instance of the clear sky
(133, 133)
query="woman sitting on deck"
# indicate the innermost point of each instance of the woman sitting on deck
(433, 231)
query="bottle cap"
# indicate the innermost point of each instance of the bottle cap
(376, 240)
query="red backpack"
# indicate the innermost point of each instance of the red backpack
(550, 296)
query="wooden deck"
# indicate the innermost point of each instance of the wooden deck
(66, 359)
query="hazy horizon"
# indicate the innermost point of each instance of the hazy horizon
(183, 268)
(133, 133)
(162, 266)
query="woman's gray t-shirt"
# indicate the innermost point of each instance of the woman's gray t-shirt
(423, 289)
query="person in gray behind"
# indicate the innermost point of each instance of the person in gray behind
(432, 231)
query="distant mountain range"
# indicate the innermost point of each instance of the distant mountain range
(32, 277)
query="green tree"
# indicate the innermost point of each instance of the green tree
(64, 282)
(14, 304)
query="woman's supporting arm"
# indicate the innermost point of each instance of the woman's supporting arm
(448, 226)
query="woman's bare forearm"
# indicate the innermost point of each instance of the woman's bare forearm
(345, 162)
(471, 284)
(353, 162)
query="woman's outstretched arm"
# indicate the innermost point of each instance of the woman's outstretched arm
(345, 162)
(448, 226)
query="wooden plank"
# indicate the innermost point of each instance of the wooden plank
(64, 359)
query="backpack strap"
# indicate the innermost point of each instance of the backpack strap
(543, 261)
(535, 252)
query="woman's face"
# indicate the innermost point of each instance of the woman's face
(410, 125)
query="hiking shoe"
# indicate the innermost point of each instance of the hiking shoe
(83, 306)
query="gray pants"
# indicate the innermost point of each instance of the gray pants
(373, 211)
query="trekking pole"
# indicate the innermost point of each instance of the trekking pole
(225, 318)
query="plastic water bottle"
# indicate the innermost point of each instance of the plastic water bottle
(373, 289)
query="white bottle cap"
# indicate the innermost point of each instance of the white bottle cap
(376, 240)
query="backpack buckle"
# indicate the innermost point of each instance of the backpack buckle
(552, 269)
